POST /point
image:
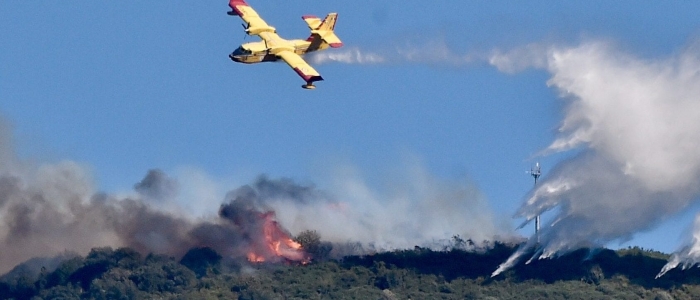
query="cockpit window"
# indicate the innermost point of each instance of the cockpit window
(241, 51)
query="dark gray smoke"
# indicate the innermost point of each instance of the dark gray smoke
(240, 226)
(157, 185)
(285, 188)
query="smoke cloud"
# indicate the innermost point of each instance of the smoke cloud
(633, 126)
(414, 209)
(54, 208)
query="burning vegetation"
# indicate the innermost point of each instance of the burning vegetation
(276, 244)
(259, 236)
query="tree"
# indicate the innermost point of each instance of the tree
(311, 242)
(201, 261)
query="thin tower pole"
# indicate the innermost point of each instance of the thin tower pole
(536, 172)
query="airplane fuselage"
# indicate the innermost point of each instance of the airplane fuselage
(266, 50)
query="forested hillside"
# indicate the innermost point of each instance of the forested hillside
(418, 273)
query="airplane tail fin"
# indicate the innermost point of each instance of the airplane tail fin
(328, 22)
(323, 30)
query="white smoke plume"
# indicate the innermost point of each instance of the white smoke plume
(429, 52)
(348, 56)
(516, 60)
(635, 126)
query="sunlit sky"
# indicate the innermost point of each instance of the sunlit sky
(126, 86)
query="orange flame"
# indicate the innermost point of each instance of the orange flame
(276, 244)
(252, 257)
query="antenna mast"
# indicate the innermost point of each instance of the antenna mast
(536, 172)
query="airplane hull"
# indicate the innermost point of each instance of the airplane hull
(253, 59)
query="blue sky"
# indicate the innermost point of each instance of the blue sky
(124, 87)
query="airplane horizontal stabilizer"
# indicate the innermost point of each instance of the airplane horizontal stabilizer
(324, 29)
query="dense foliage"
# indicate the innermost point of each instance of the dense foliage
(418, 273)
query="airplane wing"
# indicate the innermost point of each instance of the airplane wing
(255, 24)
(300, 66)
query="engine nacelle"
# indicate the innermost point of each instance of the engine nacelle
(258, 30)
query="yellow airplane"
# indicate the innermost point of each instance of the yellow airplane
(273, 47)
